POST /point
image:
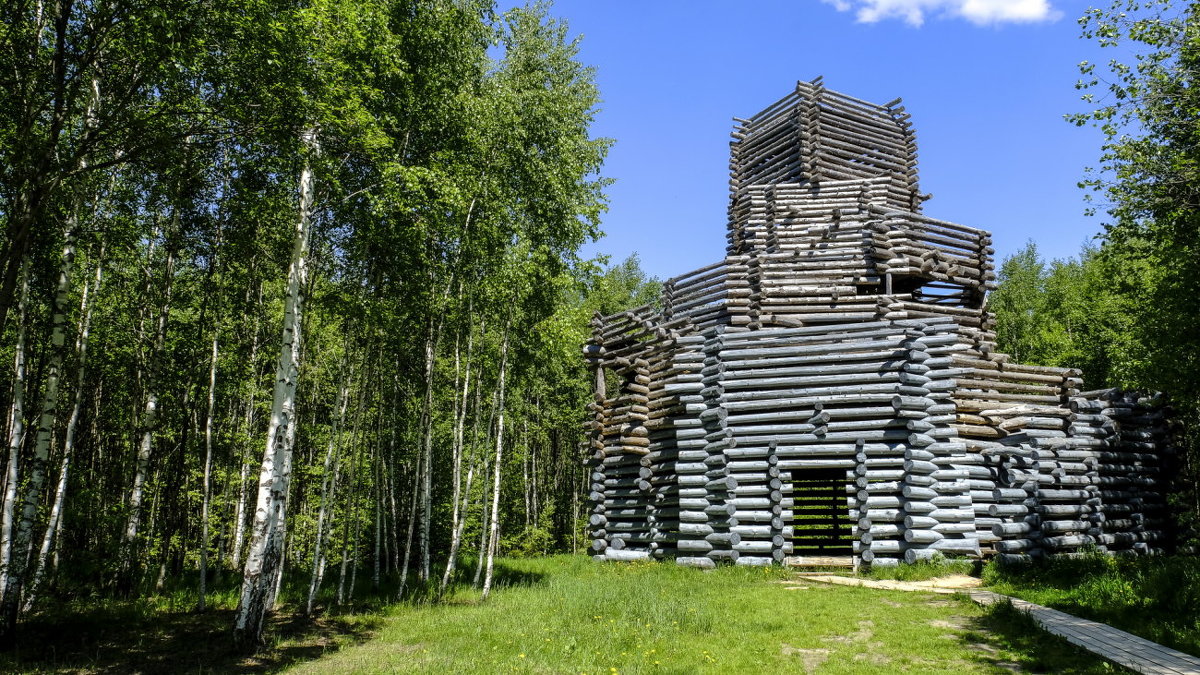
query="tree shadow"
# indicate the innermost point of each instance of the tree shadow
(96, 635)
(1008, 639)
(117, 640)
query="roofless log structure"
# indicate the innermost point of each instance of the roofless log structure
(832, 388)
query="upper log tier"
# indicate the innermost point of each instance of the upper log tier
(814, 135)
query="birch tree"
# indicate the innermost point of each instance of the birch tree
(264, 558)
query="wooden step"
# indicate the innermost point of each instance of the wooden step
(819, 561)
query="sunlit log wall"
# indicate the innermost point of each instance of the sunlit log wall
(832, 387)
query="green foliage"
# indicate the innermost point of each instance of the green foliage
(455, 182)
(1146, 103)
(1065, 313)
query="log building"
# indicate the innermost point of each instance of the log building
(832, 388)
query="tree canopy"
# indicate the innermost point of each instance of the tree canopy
(293, 291)
(1127, 312)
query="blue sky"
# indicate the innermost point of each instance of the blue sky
(987, 83)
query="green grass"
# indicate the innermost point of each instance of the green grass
(557, 614)
(570, 614)
(1157, 598)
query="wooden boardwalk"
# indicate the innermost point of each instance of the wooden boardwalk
(1126, 649)
(1135, 653)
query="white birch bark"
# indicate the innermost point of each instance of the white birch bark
(394, 512)
(149, 421)
(495, 524)
(22, 546)
(412, 517)
(208, 452)
(328, 487)
(265, 555)
(377, 484)
(354, 550)
(484, 533)
(349, 545)
(239, 518)
(60, 492)
(525, 485)
(427, 453)
(459, 515)
(16, 438)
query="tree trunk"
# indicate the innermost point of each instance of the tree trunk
(16, 438)
(146, 446)
(377, 485)
(208, 452)
(412, 517)
(60, 493)
(265, 556)
(328, 488)
(239, 519)
(10, 607)
(495, 524)
(459, 517)
(427, 450)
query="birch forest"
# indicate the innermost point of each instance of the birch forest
(291, 293)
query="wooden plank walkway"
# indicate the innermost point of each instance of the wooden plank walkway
(1137, 654)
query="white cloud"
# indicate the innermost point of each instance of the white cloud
(979, 12)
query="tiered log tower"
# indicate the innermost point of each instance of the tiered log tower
(832, 387)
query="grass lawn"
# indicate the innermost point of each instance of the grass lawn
(1157, 598)
(569, 614)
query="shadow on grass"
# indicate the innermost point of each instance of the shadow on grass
(1026, 646)
(106, 636)
(116, 640)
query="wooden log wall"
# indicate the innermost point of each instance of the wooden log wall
(1099, 479)
(844, 341)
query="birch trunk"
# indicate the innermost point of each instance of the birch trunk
(146, 445)
(208, 452)
(457, 535)
(16, 438)
(354, 549)
(377, 484)
(525, 483)
(495, 524)
(483, 531)
(427, 451)
(265, 556)
(350, 546)
(52, 528)
(239, 519)
(10, 607)
(459, 516)
(412, 517)
(328, 486)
